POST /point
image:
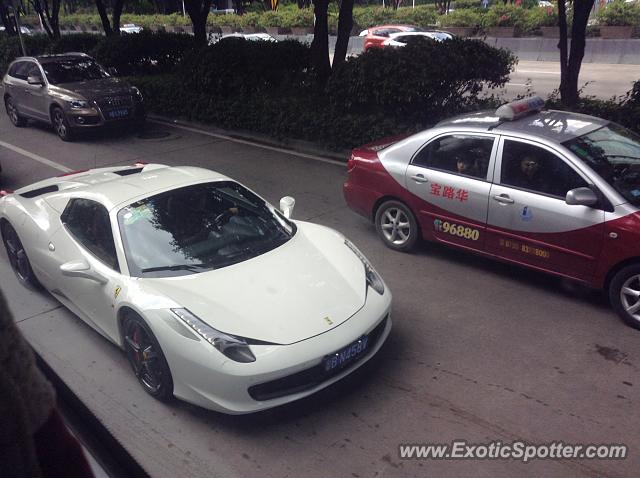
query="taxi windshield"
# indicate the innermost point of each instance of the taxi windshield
(614, 153)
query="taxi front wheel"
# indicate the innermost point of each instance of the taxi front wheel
(624, 294)
(397, 226)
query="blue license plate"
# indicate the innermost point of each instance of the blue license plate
(120, 113)
(345, 356)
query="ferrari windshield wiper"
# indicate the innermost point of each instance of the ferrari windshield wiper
(176, 267)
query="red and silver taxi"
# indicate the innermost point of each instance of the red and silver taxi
(376, 36)
(551, 190)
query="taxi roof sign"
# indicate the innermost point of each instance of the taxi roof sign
(520, 108)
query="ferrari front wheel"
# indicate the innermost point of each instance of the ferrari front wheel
(146, 358)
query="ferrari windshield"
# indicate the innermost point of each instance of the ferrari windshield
(614, 153)
(73, 70)
(198, 228)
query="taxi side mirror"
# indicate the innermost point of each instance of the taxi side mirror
(581, 197)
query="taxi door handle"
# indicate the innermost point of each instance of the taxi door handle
(419, 178)
(503, 199)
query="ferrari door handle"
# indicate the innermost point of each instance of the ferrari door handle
(503, 199)
(419, 178)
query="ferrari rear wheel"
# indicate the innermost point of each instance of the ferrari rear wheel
(146, 358)
(18, 256)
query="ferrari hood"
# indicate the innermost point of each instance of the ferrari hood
(305, 287)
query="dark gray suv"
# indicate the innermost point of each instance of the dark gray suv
(69, 91)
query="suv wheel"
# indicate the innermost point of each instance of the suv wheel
(13, 114)
(61, 125)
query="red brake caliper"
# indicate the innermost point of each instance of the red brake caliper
(136, 340)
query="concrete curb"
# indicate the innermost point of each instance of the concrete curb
(598, 50)
(297, 146)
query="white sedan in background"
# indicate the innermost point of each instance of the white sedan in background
(130, 28)
(401, 39)
(216, 297)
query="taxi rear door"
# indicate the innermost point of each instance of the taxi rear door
(529, 221)
(453, 206)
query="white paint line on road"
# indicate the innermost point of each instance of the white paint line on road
(36, 157)
(539, 72)
(518, 84)
(251, 143)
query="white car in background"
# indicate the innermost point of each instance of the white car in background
(401, 39)
(245, 36)
(130, 28)
(216, 297)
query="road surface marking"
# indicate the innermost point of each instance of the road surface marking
(36, 157)
(250, 143)
(539, 72)
(518, 84)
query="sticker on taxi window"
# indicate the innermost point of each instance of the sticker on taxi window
(457, 230)
(525, 248)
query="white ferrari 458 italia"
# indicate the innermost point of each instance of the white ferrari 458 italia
(216, 297)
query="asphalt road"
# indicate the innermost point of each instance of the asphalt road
(597, 79)
(479, 351)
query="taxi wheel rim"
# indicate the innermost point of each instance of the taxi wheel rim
(630, 296)
(17, 255)
(12, 112)
(395, 226)
(58, 119)
(143, 357)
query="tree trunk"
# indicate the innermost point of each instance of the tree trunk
(562, 45)
(198, 11)
(7, 21)
(104, 18)
(115, 18)
(320, 45)
(345, 24)
(570, 73)
(54, 19)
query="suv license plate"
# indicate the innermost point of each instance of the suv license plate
(345, 356)
(121, 113)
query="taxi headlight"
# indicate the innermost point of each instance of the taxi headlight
(235, 348)
(373, 278)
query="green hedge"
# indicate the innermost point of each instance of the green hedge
(468, 13)
(268, 88)
(144, 53)
(425, 82)
(620, 13)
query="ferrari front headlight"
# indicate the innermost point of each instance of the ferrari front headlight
(235, 348)
(373, 278)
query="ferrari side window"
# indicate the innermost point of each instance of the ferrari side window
(457, 153)
(88, 222)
